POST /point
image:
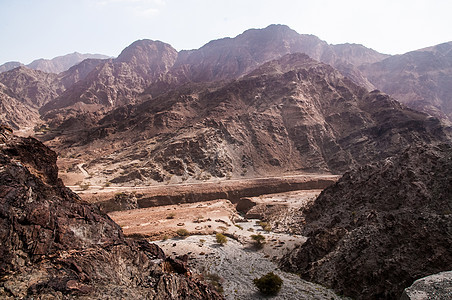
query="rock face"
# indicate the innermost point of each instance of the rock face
(434, 287)
(13, 112)
(290, 115)
(34, 88)
(55, 245)
(421, 79)
(380, 226)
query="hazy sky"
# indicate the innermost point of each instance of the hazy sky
(31, 29)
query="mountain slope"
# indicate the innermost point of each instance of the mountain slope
(421, 79)
(34, 88)
(290, 115)
(118, 81)
(230, 58)
(381, 226)
(13, 112)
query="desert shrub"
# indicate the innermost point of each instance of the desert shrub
(239, 227)
(258, 240)
(171, 216)
(265, 226)
(221, 238)
(84, 186)
(182, 232)
(215, 281)
(269, 284)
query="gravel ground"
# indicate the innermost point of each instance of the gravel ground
(235, 265)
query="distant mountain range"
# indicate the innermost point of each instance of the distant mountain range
(55, 65)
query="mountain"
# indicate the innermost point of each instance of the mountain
(157, 67)
(13, 112)
(117, 81)
(381, 226)
(289, 115)
(421, 79)
(56, 246)
(33, 88)
(230, 58)
(55, 65)
(10, 65)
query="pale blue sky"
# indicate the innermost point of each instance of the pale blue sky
(31, 29)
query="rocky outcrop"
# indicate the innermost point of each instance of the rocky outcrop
(433, 287)
(55, 245)
(381, 226)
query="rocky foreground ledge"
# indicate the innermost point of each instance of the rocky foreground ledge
(54, 245)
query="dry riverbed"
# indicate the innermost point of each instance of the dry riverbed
(235, 264)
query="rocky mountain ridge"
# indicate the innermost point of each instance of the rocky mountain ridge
(55, 65)
(381, 226)
(156, 68)
(289, 115)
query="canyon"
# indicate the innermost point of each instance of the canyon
(341, 153)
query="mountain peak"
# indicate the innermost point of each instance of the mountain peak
(145, 51)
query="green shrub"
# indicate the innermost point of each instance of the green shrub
(221, 239)
(265, 226)
(259, 240)
(182, 232)
(269, 284)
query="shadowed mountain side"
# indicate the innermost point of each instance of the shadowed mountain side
(381, 226)
(290, 115)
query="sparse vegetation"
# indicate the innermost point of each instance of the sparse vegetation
(221, 238)
(171, 216)
(238, 226)
(182, 232)
(222, 228)
(258, 240)
(269, 284)
(215, 281)
(84, 186)
(265, 226)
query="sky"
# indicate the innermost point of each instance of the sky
(32, 29)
